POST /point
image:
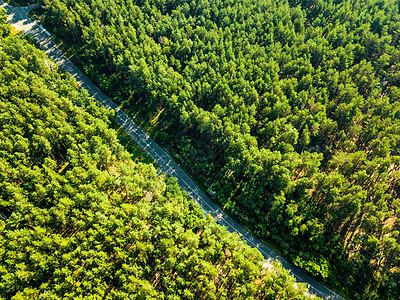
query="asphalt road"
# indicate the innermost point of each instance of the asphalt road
(18, 17)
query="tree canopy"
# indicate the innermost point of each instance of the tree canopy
(81, 220)
(289, 109)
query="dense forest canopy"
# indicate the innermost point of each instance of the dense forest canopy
(288, 109)
(81, 220)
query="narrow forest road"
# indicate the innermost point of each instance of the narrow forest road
(18, 17)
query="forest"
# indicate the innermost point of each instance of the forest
(288, 110)
(82, 220)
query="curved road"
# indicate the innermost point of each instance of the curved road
(18, 17)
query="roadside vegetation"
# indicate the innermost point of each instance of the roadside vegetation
(81, 219)
(288, 109)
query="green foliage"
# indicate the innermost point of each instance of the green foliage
(84, 221)
(289, 108)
